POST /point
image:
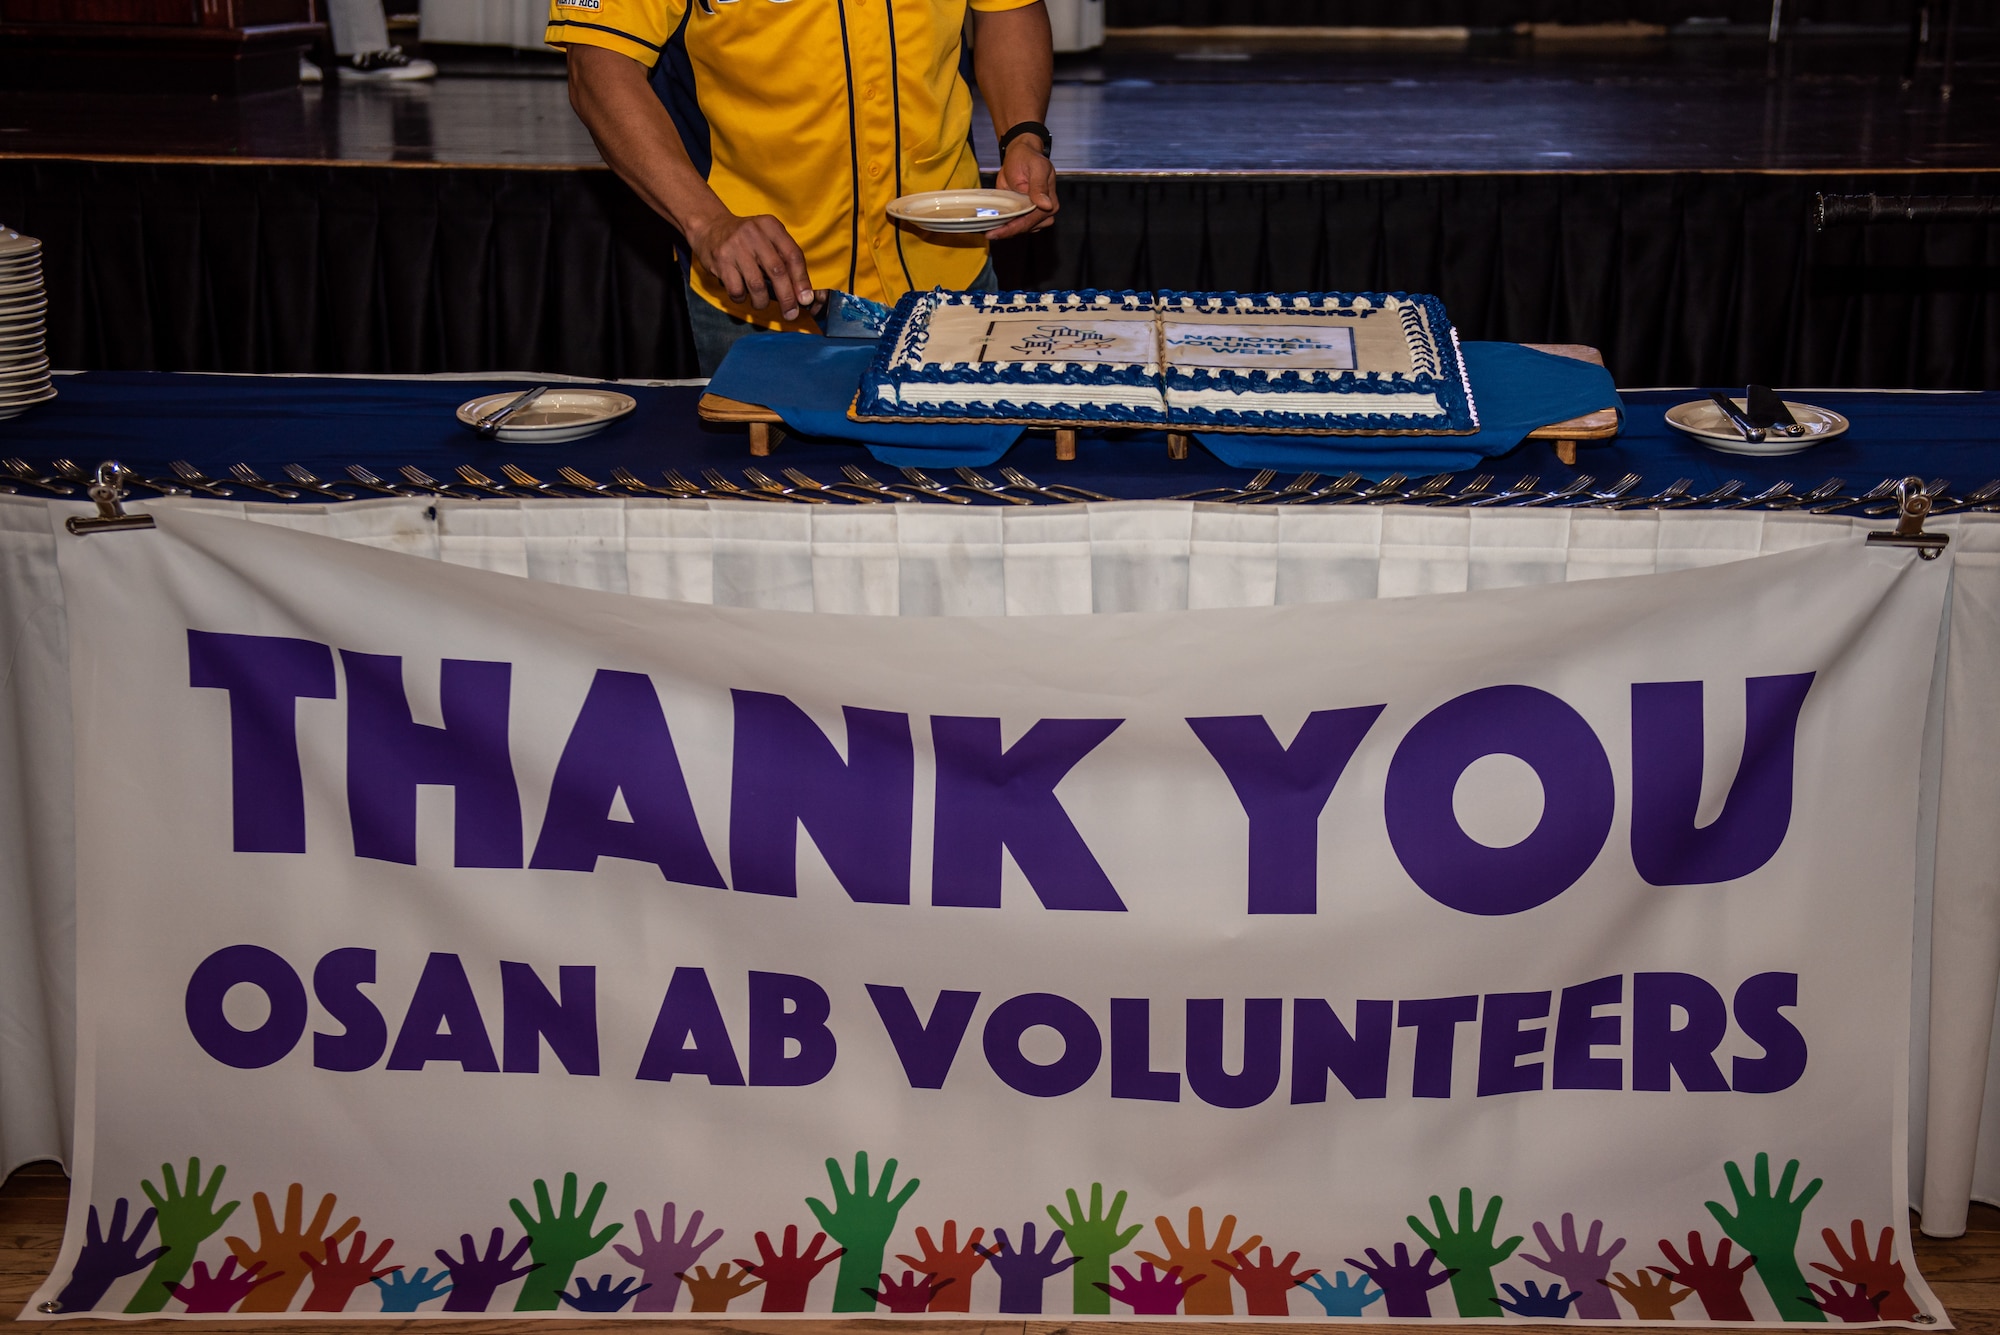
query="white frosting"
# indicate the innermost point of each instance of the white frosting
(1225, 400)
(1079, 397)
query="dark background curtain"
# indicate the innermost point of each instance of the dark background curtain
(1495, 13)
(1680, 278)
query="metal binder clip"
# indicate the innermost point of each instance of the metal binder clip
(107, 490)
(1912, 506)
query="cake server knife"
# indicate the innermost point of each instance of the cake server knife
(1762, 405)
(849, 316)
(1751, 432)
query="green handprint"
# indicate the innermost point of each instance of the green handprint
(1468, 1253)
(860, 1222)
(1767, 1226)
(185, 1222)
(1093, 1239)
(559, 1241)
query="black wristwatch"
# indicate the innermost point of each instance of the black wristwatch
(1035, 128)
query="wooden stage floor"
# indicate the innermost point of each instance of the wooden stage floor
(1199, 105)
(1964, 1271)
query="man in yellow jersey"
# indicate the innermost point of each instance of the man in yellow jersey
(774, 133)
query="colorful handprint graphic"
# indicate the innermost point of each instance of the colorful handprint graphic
(1200, 1258)
(281, 1249)
(662, 1259)
(860, 1220)
(558, 1239)
(1766, 1224)
(187, 1219)
(1093, 1238)
(1469, 1252)
(107, 1258)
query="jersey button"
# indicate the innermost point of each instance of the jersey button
(870, 92)
(874, 169)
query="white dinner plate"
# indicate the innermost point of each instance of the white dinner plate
(960, 210)
(14, 288)
(14, 373)
(1703, 419)
(34, 393)
(9, 408)
(15, 246)
(559, 415)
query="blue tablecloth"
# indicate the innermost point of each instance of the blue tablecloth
(150, 419)
(810, 382)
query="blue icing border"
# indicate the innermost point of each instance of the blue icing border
(912, 315)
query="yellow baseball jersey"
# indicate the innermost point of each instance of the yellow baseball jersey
(818, 112)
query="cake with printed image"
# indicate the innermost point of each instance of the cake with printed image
(1360, 363)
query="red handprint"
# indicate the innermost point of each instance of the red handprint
(788, 1275)
(911, 1293)
(1860, 1305)
(1267, 1285)
(1879, 1273)
(1717, 1283)
(224, 1289)
(948, 1261)
(336, 1278)
(1150, 1294)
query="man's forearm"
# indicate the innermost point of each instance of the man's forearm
(1013, 56)
(638, 139)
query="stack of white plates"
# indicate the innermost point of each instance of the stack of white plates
(24, 304)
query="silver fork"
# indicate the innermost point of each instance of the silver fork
(70, 471)
(425, 482)
(631, 481)
(980, 482)
(1665, 498)
(1478, 487)
(483, 484)
(1825, 491)
(1284, 495)
(1020, 479)
(1612, 494)
(1876, 492)
(1776, 491)
(20, 470)
(1727, 491)
(1259, 482)
(861, 478)
(1420, 494)
(250, 478)
(367, 480)
(1345, 483)
(521, 477)
(1521, 486)
(923, 481)
(720, 484)
(1387, 491)
(1932, 490)
(685, 487)
(763, 481)
(811, 483)
(195, 480)
(311, 482)
(1568, 492)
(582, 483)
(1977, 496)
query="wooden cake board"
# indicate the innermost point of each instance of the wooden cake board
(1600, 425)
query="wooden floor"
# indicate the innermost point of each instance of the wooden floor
(1965, 1272)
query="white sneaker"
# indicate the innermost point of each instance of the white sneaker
(309, 72)
(384, 66)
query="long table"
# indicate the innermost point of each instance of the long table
(928, 559)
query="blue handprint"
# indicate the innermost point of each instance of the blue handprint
(604, 1298)
(1023, 1272)
(403, 1292)
(1340, 1297)
(107, 1258)
(1535, 1302)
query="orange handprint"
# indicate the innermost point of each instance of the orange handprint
(948, 1262)
(714, 1293)
(281, 1248)
(1201, 1258)
(1879, 1273)
(1653, 1297)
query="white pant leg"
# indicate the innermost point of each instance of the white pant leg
(358, 26)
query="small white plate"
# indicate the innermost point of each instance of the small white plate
(15, 246)
(1703, 420)
(13, 373)
(559, 415)
(960, 210)
(21, 398)
(10, 409)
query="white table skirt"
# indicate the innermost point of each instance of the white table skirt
(920, 560)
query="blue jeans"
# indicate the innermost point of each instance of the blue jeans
(715, 329)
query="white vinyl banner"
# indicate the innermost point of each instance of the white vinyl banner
(454, 943)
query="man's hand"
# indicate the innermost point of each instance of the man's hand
(1027, 171)
(755, 260)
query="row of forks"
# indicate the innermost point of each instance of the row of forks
(857, 486)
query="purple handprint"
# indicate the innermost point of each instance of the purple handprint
(1405, 1284)
(1535, 1302)
(604, 1298)
(1150, 1294)
(1581, 1268)
(475, 1278)
(107, 1258)
(1022, 1273)
(661, 1260)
